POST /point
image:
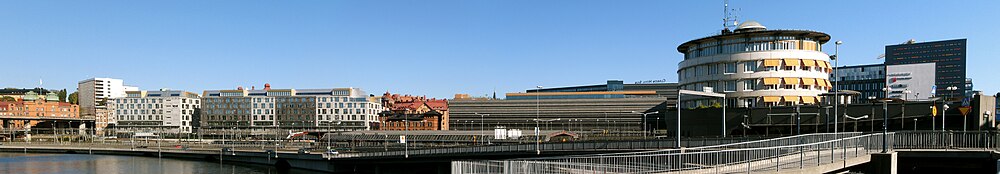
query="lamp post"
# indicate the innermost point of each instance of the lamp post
(986, 117)
(856, 120)
(745, 126)
(885, 105)
(406, 132)
(944, 105)
(902, 108)
(644, 130)
(538, 112)
(538, 140)
(836, 75)
(885, 126)
(933, 122)
(482, 126)
(872, 100)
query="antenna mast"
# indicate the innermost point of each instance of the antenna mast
(728, 19)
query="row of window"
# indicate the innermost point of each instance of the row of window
(751, 67)
(150, 111)
(761, 84)
(151, 100)
(754, 101)
(753, 45)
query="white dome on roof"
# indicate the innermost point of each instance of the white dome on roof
(750, 25)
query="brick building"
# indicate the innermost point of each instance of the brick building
(35, 105)
(420, 113)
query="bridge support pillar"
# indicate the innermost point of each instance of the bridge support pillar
(883, 163)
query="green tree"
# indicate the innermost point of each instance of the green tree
(62, 95)
(7, 99)
(74, 98)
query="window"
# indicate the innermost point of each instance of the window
(730, 86)
(749, 85)
(713, 69)
(730, 68)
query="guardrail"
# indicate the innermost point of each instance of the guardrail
(549, 147)
(795, 152)
(947, 140)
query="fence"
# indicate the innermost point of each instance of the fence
(947, 140)
(777, 154)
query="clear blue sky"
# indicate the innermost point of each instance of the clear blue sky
(436, 48)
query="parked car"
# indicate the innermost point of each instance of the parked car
(304, 151)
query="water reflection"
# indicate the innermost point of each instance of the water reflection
(107, 164)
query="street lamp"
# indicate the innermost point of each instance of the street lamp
(745, 126)
(872, 99)
(644, 130)
(537, 114)
(933, 122)
(944, 107)
(537, 138)
(885, 126)
(902, 108)
(986, 116)
(482, 126)
(856, 120)
(836, 75)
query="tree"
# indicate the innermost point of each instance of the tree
(62, 95)
(7, 99)
(74, 98)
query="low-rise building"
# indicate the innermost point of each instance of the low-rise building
(405, 112)
(33, 105)
(611, 106)
(160, 112)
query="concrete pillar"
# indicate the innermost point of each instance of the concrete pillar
(883, 163)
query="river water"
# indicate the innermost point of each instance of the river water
(29, 163)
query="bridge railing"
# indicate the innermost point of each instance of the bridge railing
(947, 140)
(725, 160)
(550, 147)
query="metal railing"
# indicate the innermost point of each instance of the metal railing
(555, 147)
(947, 140)
(795, 152)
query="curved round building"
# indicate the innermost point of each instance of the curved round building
(755, 66)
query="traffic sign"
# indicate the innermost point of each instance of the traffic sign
(933, 90)
(965, 102)
(933, 111)
(965, 110)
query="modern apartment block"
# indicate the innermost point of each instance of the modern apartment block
(949, 57)
(866, 79)
(261, 112)
(94, 94)
(755, 66)
(163, 112)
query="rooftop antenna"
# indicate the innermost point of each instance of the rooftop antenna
(729, 19)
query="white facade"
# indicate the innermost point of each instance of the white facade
(918, 79)
(756, 67)
(341, 109)
(168, 112)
